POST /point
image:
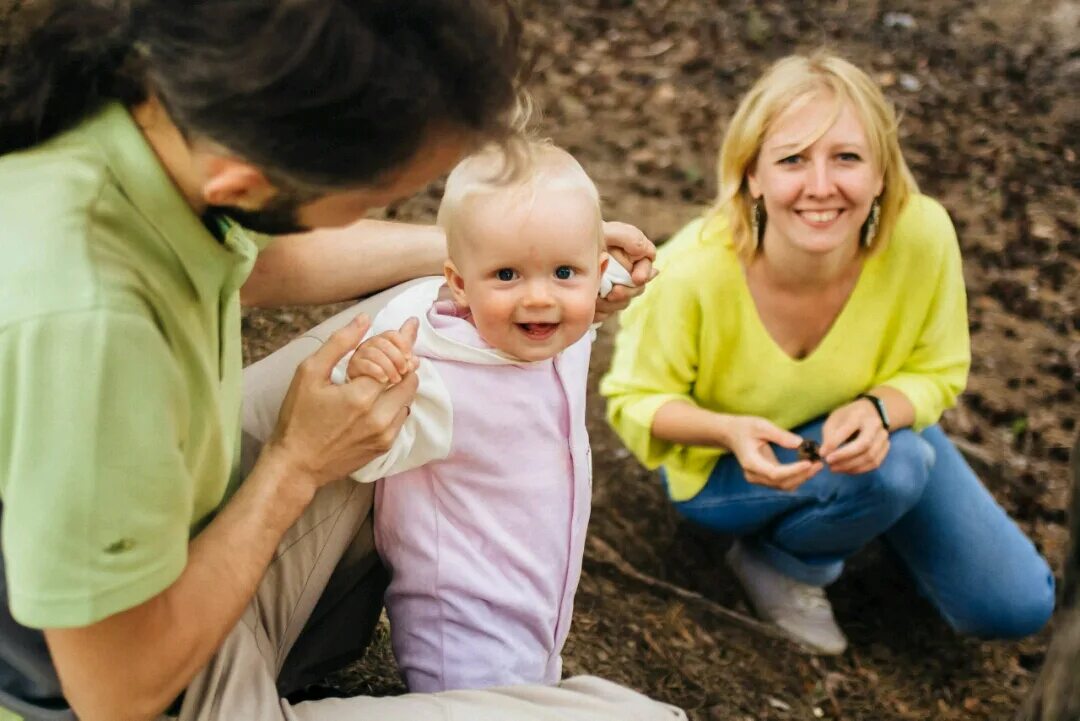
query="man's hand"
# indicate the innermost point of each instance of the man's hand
(154, 649)
(869, 441)
(326, 431)
(629, 247)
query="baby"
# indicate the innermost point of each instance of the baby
(484, 499)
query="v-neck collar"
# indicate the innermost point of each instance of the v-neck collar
(835, 329)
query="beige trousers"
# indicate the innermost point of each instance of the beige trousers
(240, 682)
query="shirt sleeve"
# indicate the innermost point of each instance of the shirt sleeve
(655, 362)
(614, 274)
(936, 371)
(426, 434)
(97, 498)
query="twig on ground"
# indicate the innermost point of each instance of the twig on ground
(601, 551)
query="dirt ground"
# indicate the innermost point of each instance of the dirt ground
(639, 91)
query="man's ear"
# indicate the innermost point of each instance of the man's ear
(455, 283)
(233, 182)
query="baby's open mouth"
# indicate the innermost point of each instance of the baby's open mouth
(538, 331)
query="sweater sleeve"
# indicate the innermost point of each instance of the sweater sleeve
(426, 434)
(935, 372)
(655, 362)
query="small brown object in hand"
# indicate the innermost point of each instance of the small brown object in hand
(809, 450)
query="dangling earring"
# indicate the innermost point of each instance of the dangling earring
(755, 223)
(871, 227)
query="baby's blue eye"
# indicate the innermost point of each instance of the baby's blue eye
(564, 272)
(505, 274)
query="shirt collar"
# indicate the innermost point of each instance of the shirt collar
(209, 263)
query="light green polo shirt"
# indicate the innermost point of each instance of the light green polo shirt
(120, 366)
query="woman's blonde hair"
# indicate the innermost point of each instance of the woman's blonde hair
(789, 81)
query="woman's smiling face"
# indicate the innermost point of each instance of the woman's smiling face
(816, 196)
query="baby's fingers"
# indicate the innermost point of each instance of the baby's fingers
(374, 363)
(383, 350)
(361, 367)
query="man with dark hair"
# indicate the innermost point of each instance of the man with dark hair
(152, 563)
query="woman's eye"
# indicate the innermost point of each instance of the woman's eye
(505, 274)
(789, 160)
(850, 157)
(564, 272)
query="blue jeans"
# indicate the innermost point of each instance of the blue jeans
(967, 556)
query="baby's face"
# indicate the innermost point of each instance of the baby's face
(530, 276)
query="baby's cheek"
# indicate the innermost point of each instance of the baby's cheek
(584, 308)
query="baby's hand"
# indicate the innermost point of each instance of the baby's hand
(386, 357)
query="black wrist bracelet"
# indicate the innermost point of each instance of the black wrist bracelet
(879, 406)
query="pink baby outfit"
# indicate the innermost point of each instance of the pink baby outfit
(482, 513)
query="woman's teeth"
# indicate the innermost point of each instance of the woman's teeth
(820, 216)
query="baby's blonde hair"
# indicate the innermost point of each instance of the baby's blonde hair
(541, 166)
(790, 81)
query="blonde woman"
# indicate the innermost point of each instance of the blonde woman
(788, 367)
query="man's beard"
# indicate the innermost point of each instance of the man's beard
(277, 217)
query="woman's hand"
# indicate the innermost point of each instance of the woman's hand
(625, 241)
(748, 437)
(854, 439)
(326, 431)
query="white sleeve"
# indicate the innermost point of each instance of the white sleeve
(425, 435)
(615, 274)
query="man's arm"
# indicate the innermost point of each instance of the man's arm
(337, 264)
(132, 664)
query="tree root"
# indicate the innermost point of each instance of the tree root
(601, 551)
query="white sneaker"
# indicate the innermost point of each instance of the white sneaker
(800, 610)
